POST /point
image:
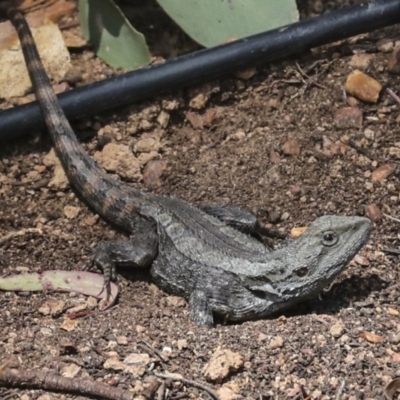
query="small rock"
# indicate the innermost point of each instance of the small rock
(70, 370)
(239, 135)
(195, 119)
(136, 363)
(69, 325)
(373, 212)
(223, 362)
(52, 307)
(394, 61)
(396, 357)
(339, 148)
(182, 344)
(385, 45)
(153, 171)
(361, 260)
(170, 105)
(337, 330)
(276, 343)
(297, 231)
(114, 364)
(352, 101)
(119, 158)
(394, 338)
(71, 212)
(175, 301)
(199, 102)
(122, 340)
(91, 221)
(147, 144)
(361, 60)
(291, 148)
(382, 173)
(210, 116)
(348, 117)
(363, 86)
(262, 337)
(163, 119)
(73, 76)
(229, 391)
(394, 151)
(393, 312)
(274, 156)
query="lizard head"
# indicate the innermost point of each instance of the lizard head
(311, 262)
(323, 251)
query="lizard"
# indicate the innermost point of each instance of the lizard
(207, 255)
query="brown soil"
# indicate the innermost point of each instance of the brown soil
(235, 158)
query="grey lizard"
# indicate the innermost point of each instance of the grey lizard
(205, 255)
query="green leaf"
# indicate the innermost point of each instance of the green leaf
(114, 39)
(84, 282)
(213, 22)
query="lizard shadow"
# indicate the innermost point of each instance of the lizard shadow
(340, 295)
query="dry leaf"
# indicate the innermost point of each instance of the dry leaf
(392, 388)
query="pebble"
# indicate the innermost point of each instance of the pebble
(291, 148)
(393, 65)
(385, 45)
(363, 86)
(153, 172)
(222, 363)
(119, 158)
(361, 60)
(194, 119)
(348, 117)
(163, 119)
(337, 330)
(276, 343)
(382, 172)
(373, 212)
(198, 102)
(71, 212)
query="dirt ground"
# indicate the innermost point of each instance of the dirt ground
(221, 142)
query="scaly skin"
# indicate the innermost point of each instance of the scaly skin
(205, 255)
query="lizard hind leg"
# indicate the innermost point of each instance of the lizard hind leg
(242, 220)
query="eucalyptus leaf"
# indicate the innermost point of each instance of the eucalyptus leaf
(212, 22)
(114, 39)
(87, 283)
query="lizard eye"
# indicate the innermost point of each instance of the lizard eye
(330, 238)
(301, 272)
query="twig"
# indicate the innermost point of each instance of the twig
(53, 382)
(207, 389)
(340, 390)
(148, 347)
(22, 232)
(390, 250)
(390, 217)
(360, 149)
(394, 95)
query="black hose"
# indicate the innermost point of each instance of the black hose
(207, 64)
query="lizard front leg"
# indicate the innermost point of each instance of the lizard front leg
(200, 311)
(138, 252)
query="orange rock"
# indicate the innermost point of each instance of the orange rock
(373, 212)
(363, 86)
(382, 172)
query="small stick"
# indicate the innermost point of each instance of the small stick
(22, 232)
(340, 390)
(53, 382)
(390, 250)
(394, 95)
(390, 217)
(207, 389)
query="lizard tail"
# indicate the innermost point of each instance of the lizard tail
(103, 193)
